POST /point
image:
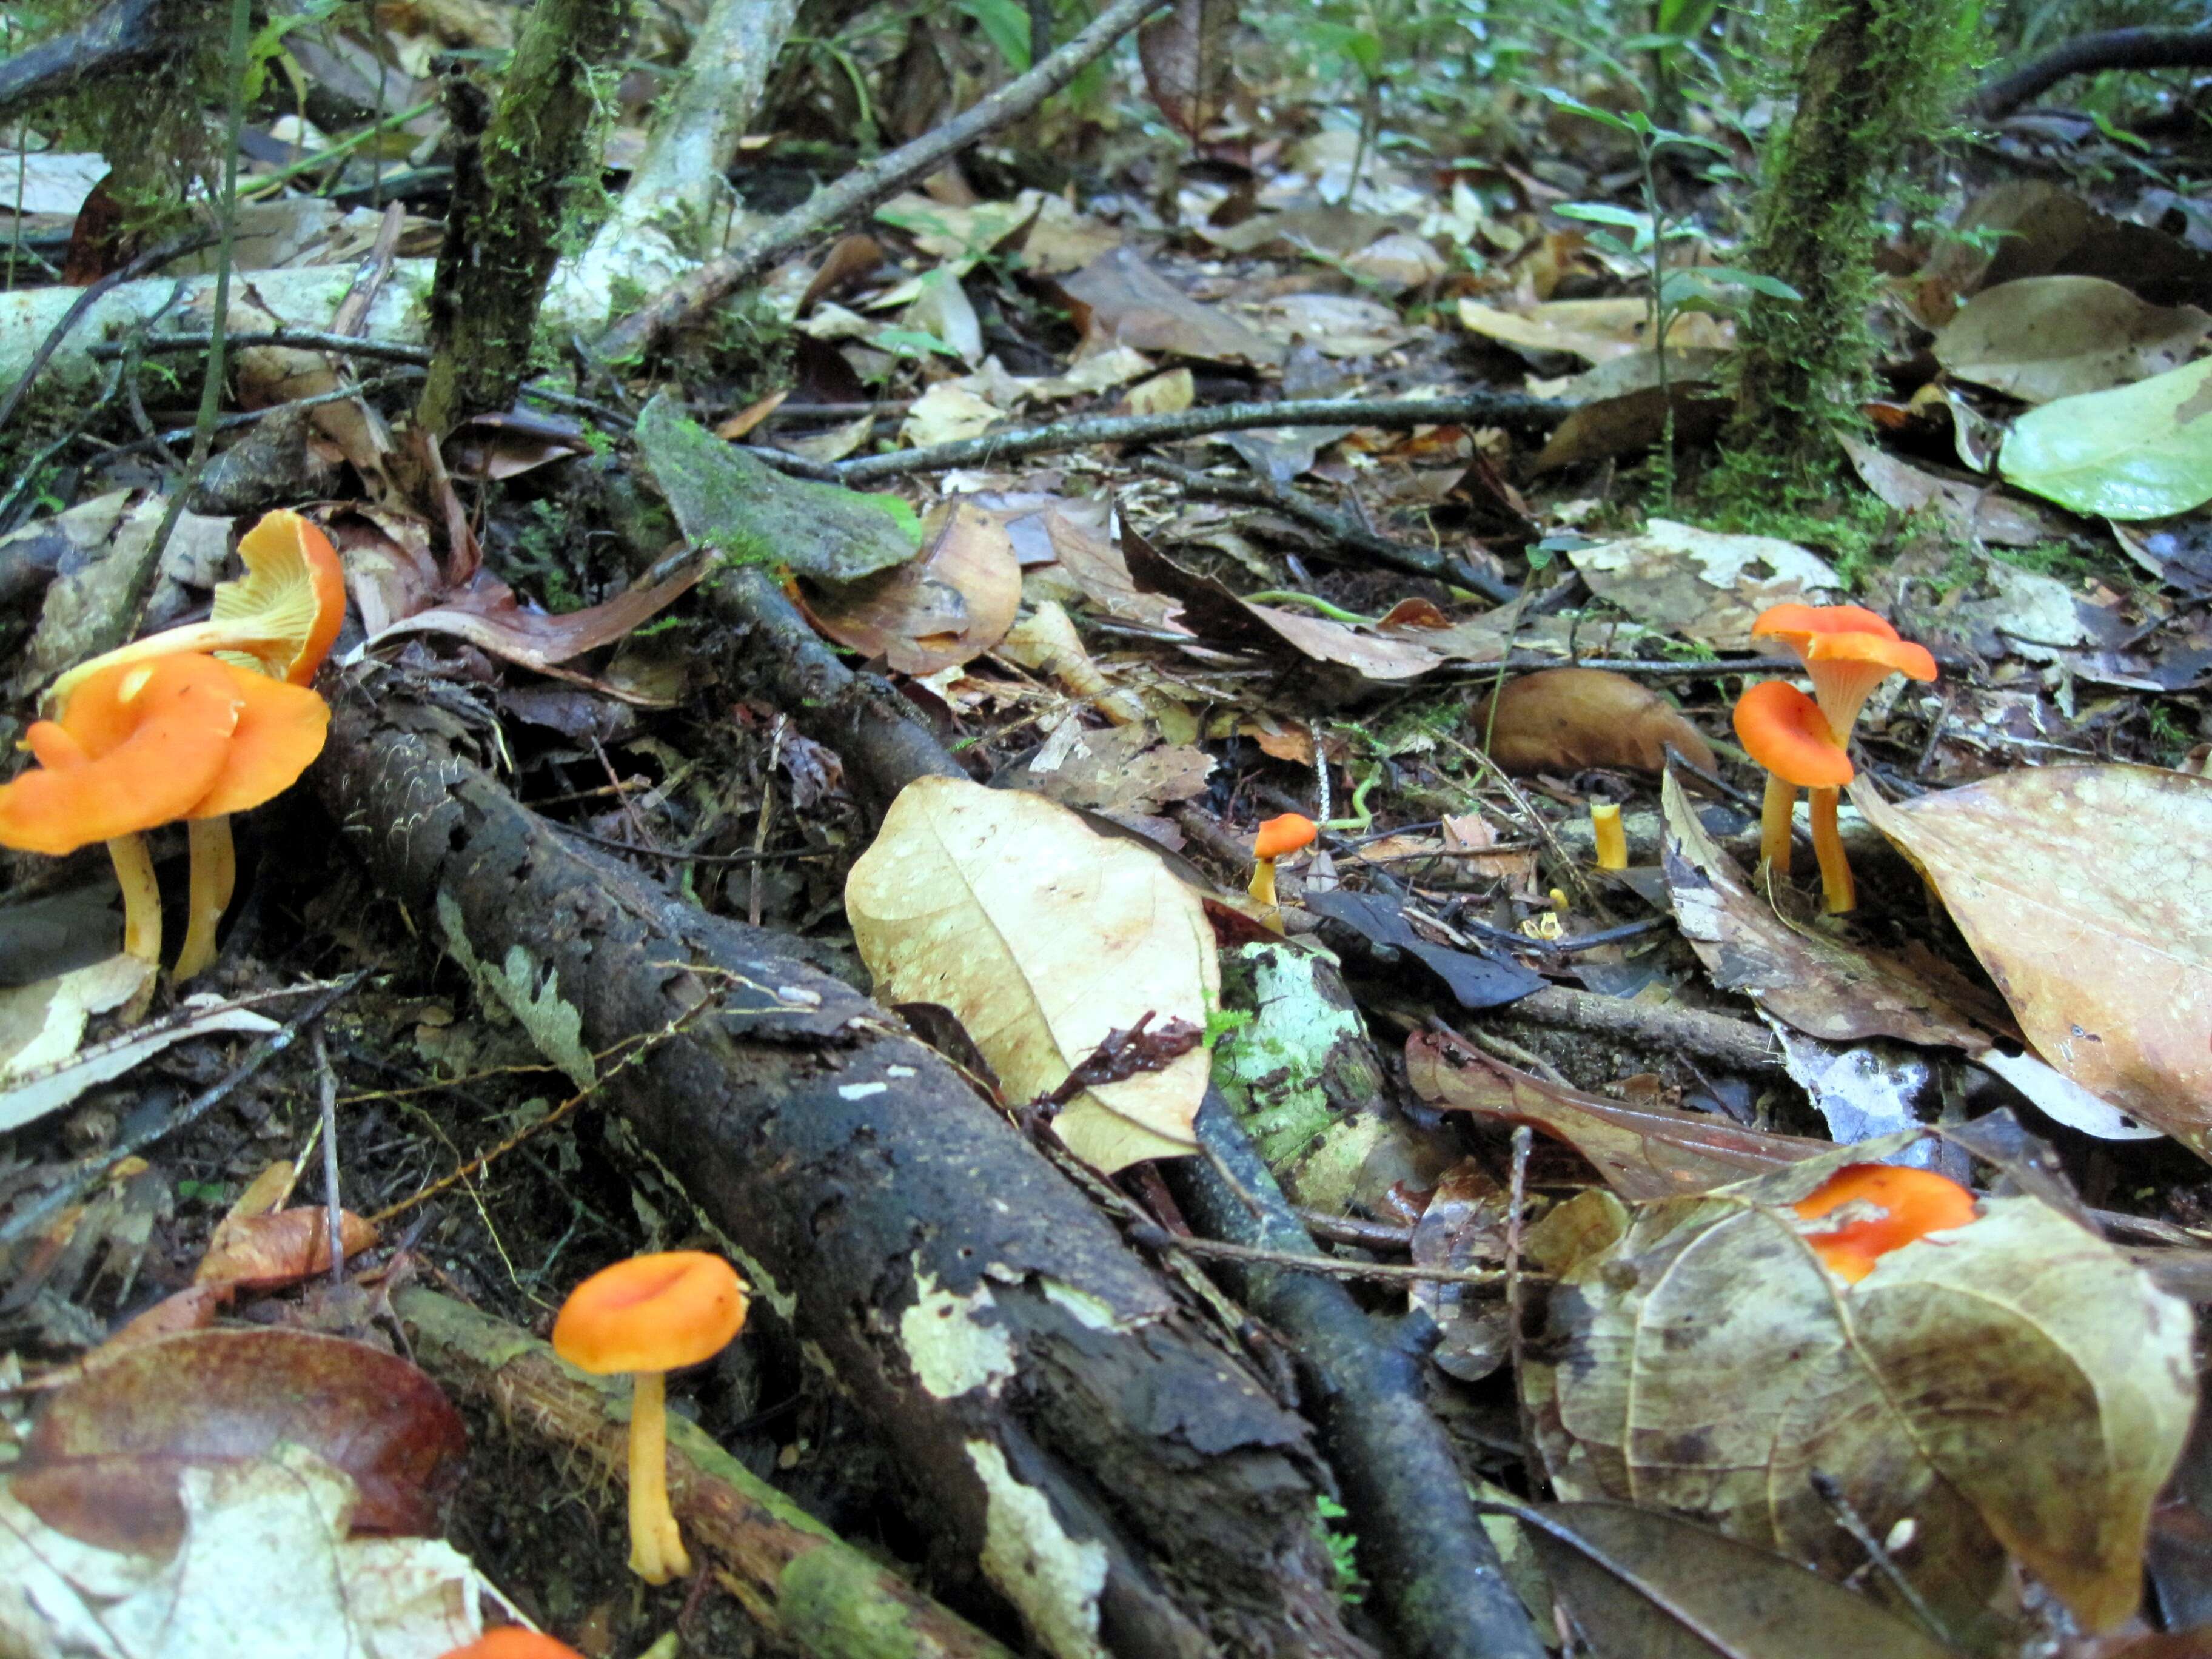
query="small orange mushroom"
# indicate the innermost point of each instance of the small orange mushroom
(1878, 1207)
(139, 746)
(513, 1642)
(647, 1316)
(1277, 836)
(1848, 651)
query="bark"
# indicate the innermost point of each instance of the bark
(1105, 1462)
(127, 35)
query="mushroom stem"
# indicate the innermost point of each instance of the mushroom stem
(656, 1544)
(1777, 810)
(215, 877)
(1607, 836)
(1828, 846)
(1263, 880)
(142, 897)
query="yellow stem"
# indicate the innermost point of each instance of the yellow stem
(1828, 846)
(1779, 806)
(215, 877)
(1263, 880)
(142, 897)
(656, 1544)
(1612, 840)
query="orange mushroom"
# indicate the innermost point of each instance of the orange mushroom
(513, 1642)
(1878, 1208)
(648, 1316)
(1848, 651)
(1277, 836)
(139, 746)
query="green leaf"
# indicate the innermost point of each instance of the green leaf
(1005, 25)
(1576, 106)
(725, 497)
(911, 343)
(2137, 451)
(1604, 213)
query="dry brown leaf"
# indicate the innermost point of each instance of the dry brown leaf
(1564, 720)
(2045, 337)
(487, 614)
(1120, 299)
(1642, 1152)
(1705, 584)
(1812, 980)
(2082, 891)
(1124, 769)
(1189, 67)
(1593, 330)
(1042, 937)
(1981, 512)
(951, 604)
(2014, 1381)
(264, 1252)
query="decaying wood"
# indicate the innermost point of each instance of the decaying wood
(1079, 1438)
(798, 1580)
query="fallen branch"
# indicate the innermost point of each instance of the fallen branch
(2086, 54)
(801, 1583)
(1506, 409)
(121, 36)
(685, 301)
(1104, 1460)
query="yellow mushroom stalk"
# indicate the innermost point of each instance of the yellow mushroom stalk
(1606, 831)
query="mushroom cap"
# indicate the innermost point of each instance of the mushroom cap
(1908, 1205)
(1793, 622)
(165, 729)
(651, 1313)
(513, 1642)
(280, 730)
(1848, 651)
(1784, 730)
(1283, 835)
(279, 618)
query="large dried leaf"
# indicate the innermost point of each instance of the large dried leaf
(1642, 1584)
(2014, 1382)
(103, 1460)
(1705, 584)
(1566, 719)
(1642, 1152)
(2047, 338)
(1123, 302)
(2082, 891)
(2140, 451)
(1819, 983)
(487, 614)
(953, 603)
(1187, 66)
(1044, 937)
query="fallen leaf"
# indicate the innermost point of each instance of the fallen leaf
(1122, 769)
(1621, 410)
(2080, 889)
(1397, 263)
(1812, 980)
(42, 1022)
(1189, 67)
(488, 615)
(1976, 512)
(2140, 451)
(267, 1252)
(947, 413)
(1566, 719)
(1703, 584)
(1164, 394)
(1042, 937)
(1122, 301)
(33, 1092)
(1475, 981)
(1642, 1152)
(2046, 337)
(950, 603)
(1335, 324)
(1593, 330)
(102, 1461)
(2015, 1382)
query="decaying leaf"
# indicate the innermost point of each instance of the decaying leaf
(1596, 330)
(1187, 65)
(951, 604)
(2046, 337)
(2081, 890)
(1642, 1152)
(1123, 302)
(1044, 937)
(1702, 583)
(1565, 720)
(104, 1457)
(34, 1090)
(1977, 512)
(2015, 1382)
(487, 614)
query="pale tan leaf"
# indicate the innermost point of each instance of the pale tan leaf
(2045, 337)
(2082, 891)
(953, 602)
(1044, 937)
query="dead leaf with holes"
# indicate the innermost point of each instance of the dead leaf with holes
(2013, 1384)
(1042, 937)
(2081, 889)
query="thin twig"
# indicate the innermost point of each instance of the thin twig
(677, 856)
(1159, 1238)
(1831, 1493)
(304, 339)
(328, 1082)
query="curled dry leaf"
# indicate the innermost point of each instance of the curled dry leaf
(953, 602)
(487, 614)
(2015, 1382)
(263, 1252)
(1042, 937)
(2081, 890)
(103, 1459)
(1564, 720)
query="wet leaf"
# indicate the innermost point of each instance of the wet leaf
(1475, 981)
(1642, 1584)
(103, 1460)
(2141, 451)
(2046, 337)
(1642, 1152)
(2015, 1382)
(1042, 937)
(2080, 889)
(952, 603)
(1566, 719)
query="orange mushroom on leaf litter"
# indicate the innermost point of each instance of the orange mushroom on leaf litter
(647, 1316)
(1277, 836)
(1877, 1208)
(513, 1642)
(1848, 651)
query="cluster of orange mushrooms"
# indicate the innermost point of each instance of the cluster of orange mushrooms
(195, 723)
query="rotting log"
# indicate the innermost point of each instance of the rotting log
(1105, 1461)
(799, 1580)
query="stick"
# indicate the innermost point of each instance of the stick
(686, 300)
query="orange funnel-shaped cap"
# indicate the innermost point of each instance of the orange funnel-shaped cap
(1885, 1208)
